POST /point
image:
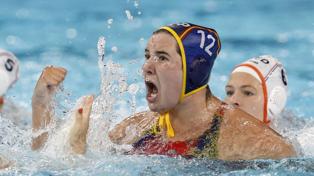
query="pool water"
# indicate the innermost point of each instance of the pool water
(65, 33)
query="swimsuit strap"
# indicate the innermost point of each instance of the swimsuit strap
(153, 131)
(162, 122)
(207, 145)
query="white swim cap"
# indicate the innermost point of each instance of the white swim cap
(9, 68)
(272, 75)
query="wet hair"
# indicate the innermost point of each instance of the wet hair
(167, 32)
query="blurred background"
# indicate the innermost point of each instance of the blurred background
(65, 33)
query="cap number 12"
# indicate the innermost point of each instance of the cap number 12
(208, 47)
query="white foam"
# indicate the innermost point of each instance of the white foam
(305, 138)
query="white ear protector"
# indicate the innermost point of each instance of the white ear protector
(270, 72)
(9, 68)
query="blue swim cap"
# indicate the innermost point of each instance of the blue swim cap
(199, 47)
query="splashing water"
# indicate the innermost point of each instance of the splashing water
(103, 157)
(101, 54)
(133, 89)
(103, 111)
(57, 147)
(128, 15)
(109, 23)
(114, 49)
(249, 40)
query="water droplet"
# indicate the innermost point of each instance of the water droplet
(114, 49)
(136, 3)
(110, 21)
(133, 88)
(129, 15)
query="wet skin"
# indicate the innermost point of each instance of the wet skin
(162, 72)
(245, 92)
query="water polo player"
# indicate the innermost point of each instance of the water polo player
(259, 86)
(9, 68)
(190, 121)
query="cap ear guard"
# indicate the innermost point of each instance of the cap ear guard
(278, 93)
(198, 72)
(276, 102)
(4, 82)
(274, 81)
(9, 69)
(199, 47)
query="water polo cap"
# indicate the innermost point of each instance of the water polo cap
(272, 76)
(199, 47)
(9, 67)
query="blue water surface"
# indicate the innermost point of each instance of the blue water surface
(65, 33)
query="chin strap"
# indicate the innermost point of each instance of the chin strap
(164, 121)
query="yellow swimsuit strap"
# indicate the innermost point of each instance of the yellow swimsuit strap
(164, 122)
